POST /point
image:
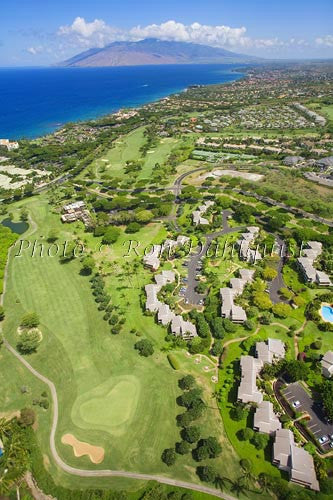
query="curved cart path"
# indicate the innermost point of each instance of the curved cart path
(103, 473)
(97, 472)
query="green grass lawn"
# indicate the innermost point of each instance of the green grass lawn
(229, 376)
(326, 110)
(158, 154)
(127, 148)
(109, 396)
(244, 449)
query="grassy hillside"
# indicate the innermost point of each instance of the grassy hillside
(109, 396)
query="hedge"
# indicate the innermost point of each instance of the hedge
(173, 362)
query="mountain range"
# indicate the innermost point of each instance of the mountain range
(152, 51)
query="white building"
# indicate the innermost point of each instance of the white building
(306, 265)
(265, 420)
(296, 461)
(229, 309)
(197, 215)
(327, 364)
(248, 391)
(270, 351)
(245, 251)
(152, 259)
(9, 145)
(165, 315)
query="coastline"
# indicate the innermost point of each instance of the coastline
(133, 97)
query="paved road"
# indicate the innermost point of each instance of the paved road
(295, 211)
(177, 186)
(194, 264)
(317, 424)
(58, 180)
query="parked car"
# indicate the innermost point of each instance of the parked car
(323, 440)
(296, 404)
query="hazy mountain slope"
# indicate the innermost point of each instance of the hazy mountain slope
(152, 51)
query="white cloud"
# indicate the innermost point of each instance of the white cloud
(82, 34)
(94, 34)
(34, 50)
(212, 35)
(325, 41)
(83, 28)
(98, 33)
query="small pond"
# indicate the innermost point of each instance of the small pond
(17, 227)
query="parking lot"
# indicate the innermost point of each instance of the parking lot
(301, 402)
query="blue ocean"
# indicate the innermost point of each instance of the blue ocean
(36, 101)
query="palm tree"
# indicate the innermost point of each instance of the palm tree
(248, 477)
(221, 482)
(239, 486)
(264, 483)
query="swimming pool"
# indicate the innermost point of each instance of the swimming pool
(327, 313)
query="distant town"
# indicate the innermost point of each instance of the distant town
(190, 346)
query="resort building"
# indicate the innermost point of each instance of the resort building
(164, 278)
(265, 420)
(152, 259)
(182, 328)
(230, 310)
(169, 244)
(248, 391)
(9, 145)
(152, 302)
(245, 252)
(270, 351)
(165, 315)
(306, 265)
(327, 364)
(296, 461)
(152, 290)
(197, 215)
(76, 211)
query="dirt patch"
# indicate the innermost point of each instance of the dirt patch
(9, 415)
(95, 453)
(46, 462)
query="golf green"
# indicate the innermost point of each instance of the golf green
(110, 406)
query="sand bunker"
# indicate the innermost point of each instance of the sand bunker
(95, 453)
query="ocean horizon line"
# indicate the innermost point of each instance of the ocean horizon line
(50, 97)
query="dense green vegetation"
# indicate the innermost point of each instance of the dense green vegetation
(7, 239)
(122, 371)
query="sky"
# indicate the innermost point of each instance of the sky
(44, 32)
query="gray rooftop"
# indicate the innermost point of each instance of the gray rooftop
(248, 391)
(265, 419)
(272, 349)
(297, 461)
